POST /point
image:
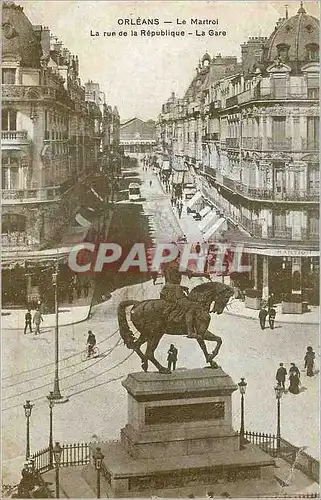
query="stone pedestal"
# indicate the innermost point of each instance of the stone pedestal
(179, 440)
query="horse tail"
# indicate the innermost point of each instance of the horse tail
(124, 330)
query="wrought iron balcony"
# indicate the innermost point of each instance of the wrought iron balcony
(277, 145)
(309, 145)
(231, 101)
(36, 93)
(210, 137)
(15, 136)
(30, 195)
(252, 143)
(232, 142)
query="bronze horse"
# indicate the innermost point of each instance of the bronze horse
(156, 317)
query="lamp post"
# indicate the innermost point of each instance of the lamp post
(98, 458)
(57, 450)
(51, 405)
(278, 394)
(242, 387)
(28, 407)
(56, 391)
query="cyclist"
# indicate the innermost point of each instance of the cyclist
(91, 342)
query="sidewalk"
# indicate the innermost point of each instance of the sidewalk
(14, 319)
(237, 308)
(73, 485)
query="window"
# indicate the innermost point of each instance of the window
(313, 86)
(313, 178)
(8, 76)
(279, 222)
(9, 119)
(313, 125)
(312, 52)
(283, 51)
(279, 87)
(278, 128)
(313, 223)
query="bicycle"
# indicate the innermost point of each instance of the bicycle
(94, 353)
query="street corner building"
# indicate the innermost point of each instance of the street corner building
(248, 132)
(59, 139)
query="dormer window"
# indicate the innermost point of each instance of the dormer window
(312, 52)
(283, 51)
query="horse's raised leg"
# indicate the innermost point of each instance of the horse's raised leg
(204, 348)
(140, 341)
(151, 346)
(210, 336)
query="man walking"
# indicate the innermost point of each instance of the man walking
(262, 317)
(28, 321)
(37, 318)
(281, 376)
(172, 357)
(272, 314)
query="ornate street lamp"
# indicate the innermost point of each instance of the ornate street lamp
(278, 394)
(57, 450)
(242, 387)
(28, 407)
(51, 400)
(98, 459)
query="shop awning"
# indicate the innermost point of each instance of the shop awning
(219, 224)
(205, 211)
(195, 199)
(210, 218)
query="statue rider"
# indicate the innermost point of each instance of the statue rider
(180, 306)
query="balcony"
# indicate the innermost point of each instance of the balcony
(14, 137)
(308, 145)
(269, 93)
(280, 233)
(36, 93)
(232, 101)
(12, 196)
(276, 145)
(18, 240)
(210, 137)
(210, 171)
(232, 142)
(252, 143)
(260, 193)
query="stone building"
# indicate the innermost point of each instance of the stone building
(52, 139)
(251, 138)
(138, 137)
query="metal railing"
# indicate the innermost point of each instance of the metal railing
(232, 142)
(14, 135)
(41, 194)
(72, 454)
(277, 145)
(290, 453)
(252, 143)
(308, 145)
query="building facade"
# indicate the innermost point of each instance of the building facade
(251, 137)
(53, 133)
(138, 138)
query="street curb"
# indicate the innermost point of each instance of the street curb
(277, 321)
(53, 326)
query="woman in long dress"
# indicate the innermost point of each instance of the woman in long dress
(294, 383)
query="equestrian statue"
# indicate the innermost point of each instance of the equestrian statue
(176, 312)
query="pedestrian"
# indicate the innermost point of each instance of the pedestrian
(37, 319)
(272, 314)
(294, 383)
(197, 247)
(28, 321)
(150, 183)
(270, 301)
(262, 317)
(154, 275)
(309, 361)
(281, 375)
(86, 286)
(172, 357)
(78, 287)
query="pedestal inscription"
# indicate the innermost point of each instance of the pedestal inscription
(184, 413)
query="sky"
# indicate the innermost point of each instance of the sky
(139, 73)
